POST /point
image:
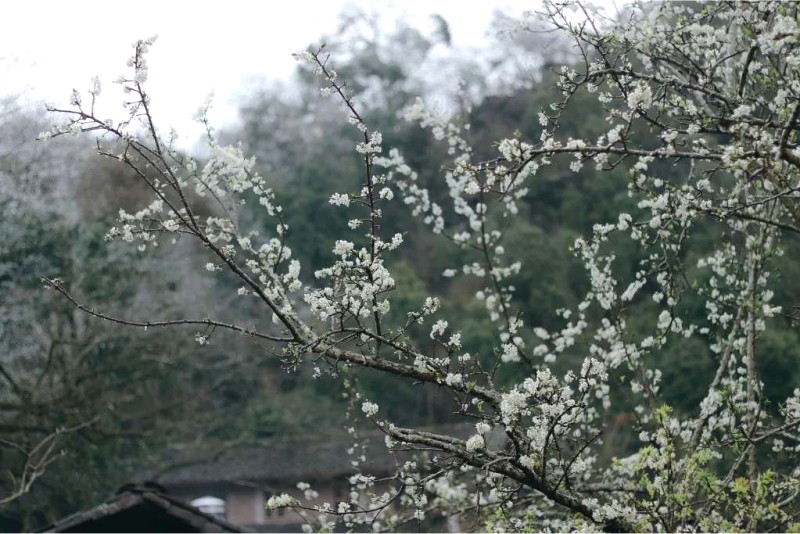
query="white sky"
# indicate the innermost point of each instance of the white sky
(49, 47)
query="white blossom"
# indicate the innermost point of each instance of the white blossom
(475, 443)
(369, 408)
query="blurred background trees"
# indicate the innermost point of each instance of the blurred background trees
(111, 400)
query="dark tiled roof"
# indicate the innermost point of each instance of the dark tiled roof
(141, 509)
(295, 458)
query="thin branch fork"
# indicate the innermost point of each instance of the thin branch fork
(56, 284)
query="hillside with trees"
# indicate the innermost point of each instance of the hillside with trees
(586, 247)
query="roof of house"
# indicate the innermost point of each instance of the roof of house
(141, 509)
(295, 458)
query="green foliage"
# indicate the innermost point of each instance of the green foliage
(133, 385)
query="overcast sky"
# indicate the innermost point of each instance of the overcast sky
(49, 47)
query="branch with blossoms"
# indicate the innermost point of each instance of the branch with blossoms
(701, 105)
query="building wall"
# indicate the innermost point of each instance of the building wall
(245, 506)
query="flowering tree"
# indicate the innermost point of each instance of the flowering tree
(74, 391)
(702, 104)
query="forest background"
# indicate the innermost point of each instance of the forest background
(79, 392)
